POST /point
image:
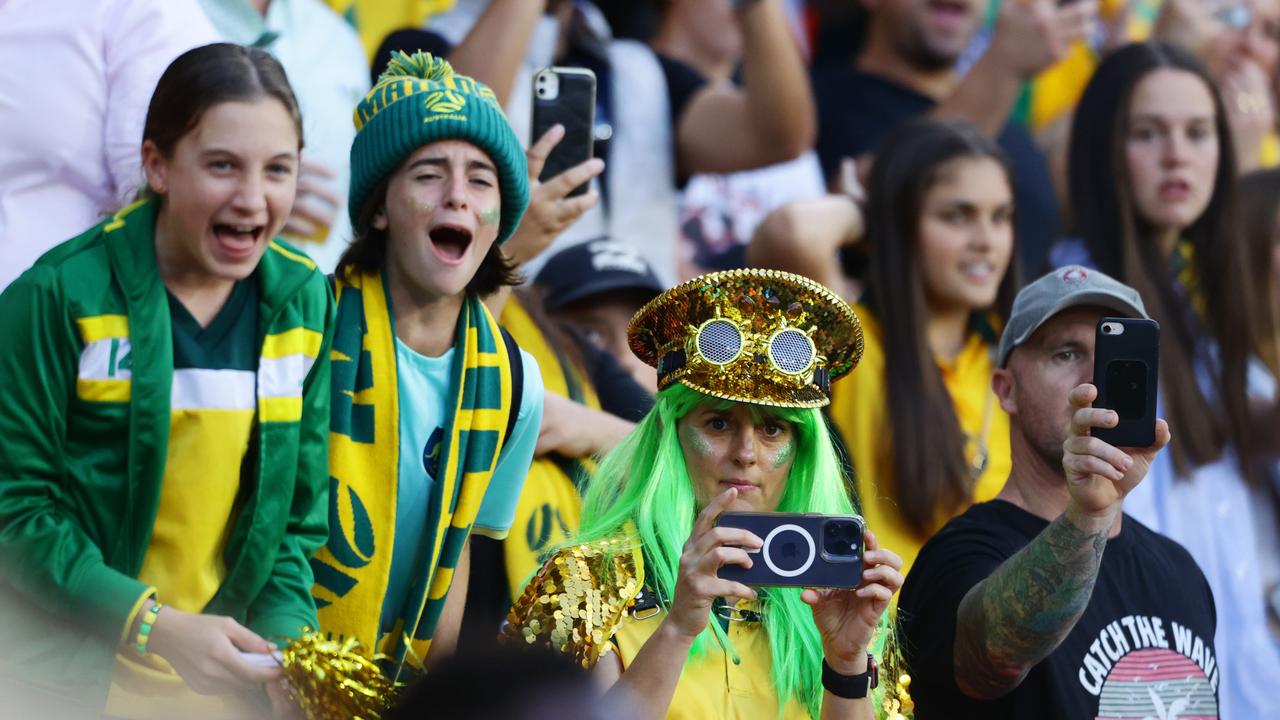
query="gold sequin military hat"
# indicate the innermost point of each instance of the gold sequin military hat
(756, 336)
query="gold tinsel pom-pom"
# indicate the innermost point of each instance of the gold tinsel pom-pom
(334, 680)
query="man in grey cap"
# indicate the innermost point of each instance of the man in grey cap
(1049, 601)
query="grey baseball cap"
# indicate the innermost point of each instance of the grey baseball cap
(1067, 287)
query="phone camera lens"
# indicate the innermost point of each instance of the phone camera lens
(841, 538)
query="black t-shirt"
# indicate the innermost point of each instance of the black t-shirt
(1143, 648)
(856, 111)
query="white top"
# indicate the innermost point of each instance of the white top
(719, 213)
(76, 77)
(1210, 513)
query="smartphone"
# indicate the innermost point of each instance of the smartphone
(567, 96)
(800, 550)
(1126, 358)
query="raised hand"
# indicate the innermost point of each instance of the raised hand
(707, 550)
(551, 210)
(316, 205)
(1099, 475)
(846, 619)
(1032, 35)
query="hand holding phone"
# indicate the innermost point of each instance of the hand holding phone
(709, 549)
(1126, 359)
(565, 96)
(847, 620)
(1098, 474)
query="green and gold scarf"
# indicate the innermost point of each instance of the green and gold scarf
(352, 571)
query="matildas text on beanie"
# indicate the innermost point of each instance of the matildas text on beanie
(420, 100)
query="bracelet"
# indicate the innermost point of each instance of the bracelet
(144, 630)
(853, 687)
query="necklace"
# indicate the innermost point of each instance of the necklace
(977, 448)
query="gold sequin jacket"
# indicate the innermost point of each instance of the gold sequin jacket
(578, 599)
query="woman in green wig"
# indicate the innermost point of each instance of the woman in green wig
(435, 408)
(745, 359)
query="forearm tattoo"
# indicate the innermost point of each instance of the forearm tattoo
(1017, 616)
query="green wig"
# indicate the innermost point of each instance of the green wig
(644, 481)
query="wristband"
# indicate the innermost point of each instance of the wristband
(852, 687)
(144, 630)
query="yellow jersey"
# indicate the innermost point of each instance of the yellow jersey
(714, 685)
(860, 413)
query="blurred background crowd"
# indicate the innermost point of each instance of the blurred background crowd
(1139, 137)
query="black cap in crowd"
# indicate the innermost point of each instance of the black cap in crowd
(592, 268)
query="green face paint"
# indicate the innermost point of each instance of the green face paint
(695, 441)
(490, 216)
(784, 455)
(420, 207)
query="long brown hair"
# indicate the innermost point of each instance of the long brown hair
(1122, 244)
(1258, 200)
(906, 167)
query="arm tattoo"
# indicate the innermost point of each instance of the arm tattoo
(1013, 619)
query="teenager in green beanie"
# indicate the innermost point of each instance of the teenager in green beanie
(435, 409)
(163, 475)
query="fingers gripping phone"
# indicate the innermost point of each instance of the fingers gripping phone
(800, 550)
(1125, 369)
(565, 95)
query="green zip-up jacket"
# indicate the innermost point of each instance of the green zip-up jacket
(86, 367)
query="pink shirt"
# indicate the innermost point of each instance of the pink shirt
(76, 77)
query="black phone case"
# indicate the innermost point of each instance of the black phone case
(574, 108)
(1126, 373)
(783, 534)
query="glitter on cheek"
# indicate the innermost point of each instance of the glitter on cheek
(696, 442)
(784, 454)
(416, 205)
(490, 216)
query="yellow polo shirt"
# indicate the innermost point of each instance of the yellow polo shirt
(861, 414)
(714, 686)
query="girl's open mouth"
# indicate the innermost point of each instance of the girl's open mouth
(238, 241)
(450, 243)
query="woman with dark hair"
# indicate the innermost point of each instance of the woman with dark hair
(1258, 215)
(162, 444)
(939, 233)
(1151, 177)
(435, 408)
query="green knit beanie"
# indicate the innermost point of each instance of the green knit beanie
(419, 100)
